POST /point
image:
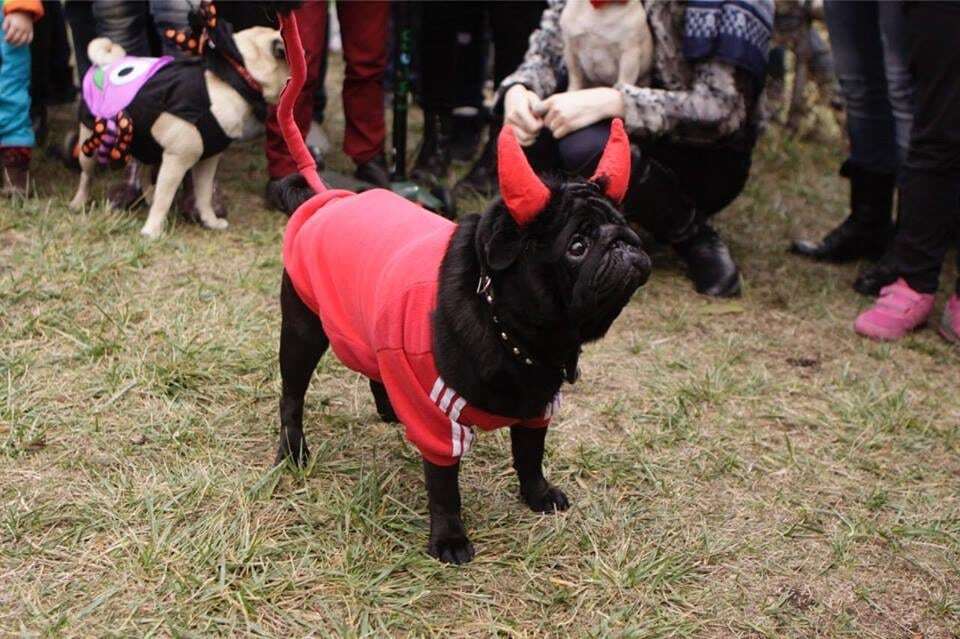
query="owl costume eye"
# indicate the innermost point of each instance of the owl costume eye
(130, 69)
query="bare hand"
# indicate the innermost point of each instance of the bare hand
(519, 104)
(564, 113)
(18, 27)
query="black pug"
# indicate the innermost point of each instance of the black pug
(466, 326)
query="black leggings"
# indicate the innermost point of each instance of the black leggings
(930, 177)
(511, 24)
(673, 187)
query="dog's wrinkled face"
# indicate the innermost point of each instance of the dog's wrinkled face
(561, 251)
(575, 267)
(265, 58)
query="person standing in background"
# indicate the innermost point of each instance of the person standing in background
(16, 129)
(363, 28)
(869, 50)
(929, 181)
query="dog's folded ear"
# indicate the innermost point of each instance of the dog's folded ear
(498, 240)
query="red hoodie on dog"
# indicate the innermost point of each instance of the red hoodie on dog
(369, 266)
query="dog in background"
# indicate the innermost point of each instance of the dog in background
(606, 42)
(184, 113)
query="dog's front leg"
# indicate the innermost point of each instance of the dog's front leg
(575, 77)
(87, 167)
(535, 490)
(203, 174)
(172, 169)
(448, 538)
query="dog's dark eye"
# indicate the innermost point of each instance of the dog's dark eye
(578, 246)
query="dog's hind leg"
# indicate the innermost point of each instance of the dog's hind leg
(302, 344)
(203, 174)
(182, 148)
(384, 407)
(87, 167)
(536, 491)
(172, 169)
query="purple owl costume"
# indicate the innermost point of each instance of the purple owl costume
(107, 92)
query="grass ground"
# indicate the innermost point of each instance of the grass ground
(742, 468)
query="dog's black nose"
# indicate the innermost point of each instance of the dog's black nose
(643, 265)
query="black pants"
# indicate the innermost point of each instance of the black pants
(930, 178)
(510, 26)
(673, 187)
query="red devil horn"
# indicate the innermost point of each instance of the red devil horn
(522, 191)
(615, 163)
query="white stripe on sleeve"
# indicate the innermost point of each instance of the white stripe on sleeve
(457, 407)
(437, 387)
(445, 401)
(455, 435)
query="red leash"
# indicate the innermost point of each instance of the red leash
(298, 73)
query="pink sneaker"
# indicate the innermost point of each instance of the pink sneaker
(898, 310)
(950, 324)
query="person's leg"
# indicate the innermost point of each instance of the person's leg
(83, 28)
(16, 132)
(858, 49)
(900, 84)
(511, 24)
(125, 23)
(930, 176)
(363, 29)
(930, 184)
(439, 61)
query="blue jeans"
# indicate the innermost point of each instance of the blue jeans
(870, 55)
(15, 126)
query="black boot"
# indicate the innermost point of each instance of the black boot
(867, 230)
(433, 160)
(659, 203)
(710, 264)
(482, 177)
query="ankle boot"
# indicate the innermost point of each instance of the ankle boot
(433, 160)
(482, 177)
(709, 263)
(867, 230)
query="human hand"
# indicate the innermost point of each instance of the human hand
(564, 113)
(18, 27)
(519, 104)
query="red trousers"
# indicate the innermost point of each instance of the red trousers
(363, 29)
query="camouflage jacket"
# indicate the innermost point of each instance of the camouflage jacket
(695, 103)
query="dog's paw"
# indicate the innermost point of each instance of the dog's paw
(451, 550)
(548, 500)
(217, 223)
(152, 231)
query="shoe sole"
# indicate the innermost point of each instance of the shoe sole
(887, 337)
